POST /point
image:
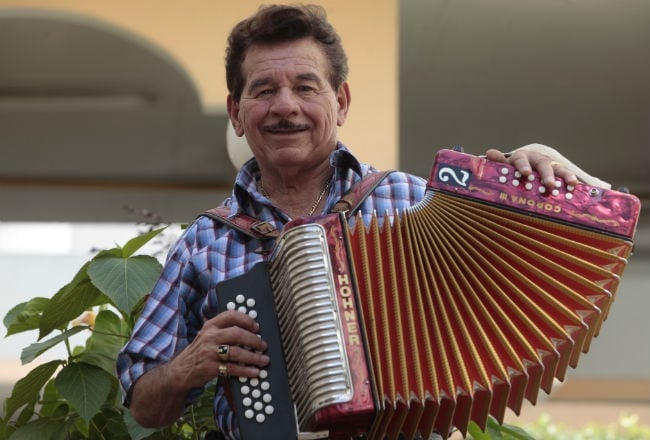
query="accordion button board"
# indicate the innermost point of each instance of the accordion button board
(263, 403)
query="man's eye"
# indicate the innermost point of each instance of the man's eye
(265, 92)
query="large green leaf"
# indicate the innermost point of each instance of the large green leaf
(106, 363)
(515, 432)
(108, 424)
(69, 302)
(27, 389)
(36, 349)
(125, 280)
(110, 335)
(136, 243)
(50, 401)
(25, 316)
(43, 428)
(136, 431)
(496, 431)
(5, 429)
(86, 387)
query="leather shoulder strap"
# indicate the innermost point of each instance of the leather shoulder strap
(243, 223)
(358, 193)
(255, 228)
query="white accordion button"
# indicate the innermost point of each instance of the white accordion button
(555, 192)
(568, 196)
(504, 170)
(518, 174)
(558, 184)
(531, 177)
(502, 179)
(542, 189)
(570, 188)
(528, 185)
(255, 398)
(515, 182)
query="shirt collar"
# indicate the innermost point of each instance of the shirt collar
(245, 190)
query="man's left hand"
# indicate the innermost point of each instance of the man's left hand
(527, 161)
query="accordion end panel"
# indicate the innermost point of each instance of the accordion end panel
(314, 293)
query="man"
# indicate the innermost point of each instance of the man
(286, 76)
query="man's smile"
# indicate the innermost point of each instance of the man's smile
(285, 126)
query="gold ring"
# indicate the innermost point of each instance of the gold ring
(223, 351)
(223, 370)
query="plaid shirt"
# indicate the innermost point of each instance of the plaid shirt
(208, 252)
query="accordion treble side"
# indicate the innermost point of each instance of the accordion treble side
(458, 308)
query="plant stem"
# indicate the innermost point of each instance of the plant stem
(195, 431)
(66, 341)
(107, 333)
(97, 429)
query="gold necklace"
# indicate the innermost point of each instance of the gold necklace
(311, 210)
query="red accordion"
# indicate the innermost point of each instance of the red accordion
(460, 307)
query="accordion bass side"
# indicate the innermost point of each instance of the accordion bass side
(458, 308)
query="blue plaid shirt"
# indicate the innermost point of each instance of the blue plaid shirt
(209, 252)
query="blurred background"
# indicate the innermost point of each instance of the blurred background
(113, 112)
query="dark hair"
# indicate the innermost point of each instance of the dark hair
(278, 24)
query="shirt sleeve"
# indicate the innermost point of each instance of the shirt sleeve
(168, 323)
(397, 192)
(161, 331)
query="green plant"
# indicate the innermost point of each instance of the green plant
(627, 427)
(79, 397)
(497, 431)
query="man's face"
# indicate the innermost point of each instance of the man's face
(288, 111)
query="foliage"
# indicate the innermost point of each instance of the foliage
(79, 396)
(496, 431)
(627, 428)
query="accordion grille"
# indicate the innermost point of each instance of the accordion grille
(309, 322)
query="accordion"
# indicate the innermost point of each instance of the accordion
(423, 320)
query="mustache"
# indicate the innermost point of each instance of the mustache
(285, 125)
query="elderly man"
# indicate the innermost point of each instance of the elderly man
(286, 75)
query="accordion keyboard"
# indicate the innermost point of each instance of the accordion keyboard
(319, 373)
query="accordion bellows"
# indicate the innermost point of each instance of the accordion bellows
(474, 309)
(465, 305)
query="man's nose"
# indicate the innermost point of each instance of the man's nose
(285, 102)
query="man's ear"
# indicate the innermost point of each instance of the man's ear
(343, 98)
(233, 114)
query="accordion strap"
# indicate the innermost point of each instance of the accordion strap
(243, 223)
(358, 193)
(261, 230)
